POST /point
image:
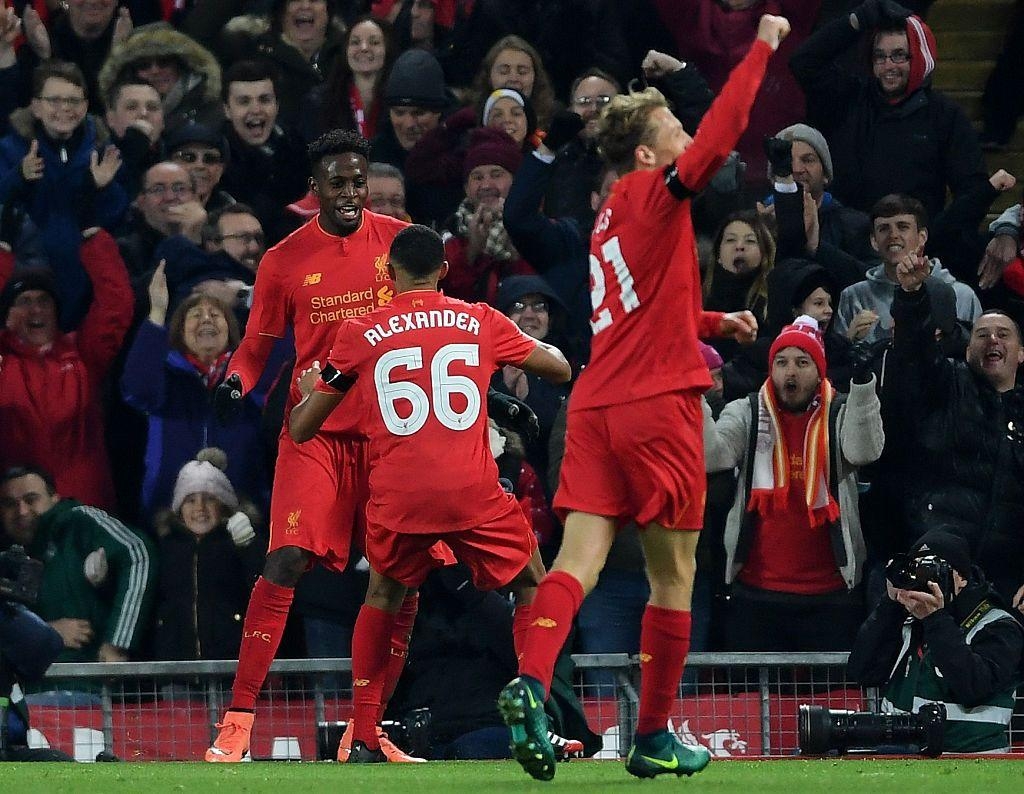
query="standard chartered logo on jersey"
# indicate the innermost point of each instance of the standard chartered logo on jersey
(345, 306)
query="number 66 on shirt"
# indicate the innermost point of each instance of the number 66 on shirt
(416, 372)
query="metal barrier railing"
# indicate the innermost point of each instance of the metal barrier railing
(736, 704)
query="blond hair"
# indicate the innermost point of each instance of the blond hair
(626, 124)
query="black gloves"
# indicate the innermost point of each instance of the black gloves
(564, 127)
(227, 399)
(514, 413)
(780, 156)
(893, 11)
(872, 12)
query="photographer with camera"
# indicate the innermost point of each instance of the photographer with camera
(98, 577)
(941, 634)
(28, 646)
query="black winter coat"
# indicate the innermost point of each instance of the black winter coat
(203, 591)
(969, 447)
(918, 146)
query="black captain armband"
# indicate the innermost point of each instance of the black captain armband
(336, 380)
(674, 183)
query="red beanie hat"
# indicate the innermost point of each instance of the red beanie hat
(804, 334)
(491, 147)
(921, 43)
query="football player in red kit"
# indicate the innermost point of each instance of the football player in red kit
(634, 449)
(330, 270)
(418, 370)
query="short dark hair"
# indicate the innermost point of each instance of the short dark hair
(1001, 313)
(418, 250)
(57, 70)
(899, 204)
(337, 142)
(211, 229)
(594, 71)
(176, 325)
(17, 472)
(114, 94)
(250, 72)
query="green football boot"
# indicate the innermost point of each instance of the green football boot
(521, 704)
(662, 754)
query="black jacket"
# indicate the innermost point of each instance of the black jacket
(920, 146)
(968, 445)
(975, 672)
(269, 177)
(203, 592)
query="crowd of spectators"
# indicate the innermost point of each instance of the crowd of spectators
(150, 152)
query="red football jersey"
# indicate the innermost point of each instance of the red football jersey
(422, 367)
(313, 281)
(645, 283)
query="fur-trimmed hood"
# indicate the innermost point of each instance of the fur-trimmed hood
(159, 39)
(23, 123)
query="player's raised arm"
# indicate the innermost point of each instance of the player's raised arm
(307, 417)
(727, 118)
(548, 362)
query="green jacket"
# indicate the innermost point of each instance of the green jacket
(119, 608)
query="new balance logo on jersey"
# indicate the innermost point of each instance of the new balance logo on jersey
(360, 682)
(545, 623)
(311, 279)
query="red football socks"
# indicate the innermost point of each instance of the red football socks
(664, 644)
(520, 626)
(558, 600)
(261, 635)
(371, 642)
(400, 635)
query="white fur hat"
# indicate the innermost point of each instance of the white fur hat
(205, 475)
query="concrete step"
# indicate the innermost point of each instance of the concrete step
(970, 45)
(962, 75)
(970, 15)
(1016, 142)
(969, 100)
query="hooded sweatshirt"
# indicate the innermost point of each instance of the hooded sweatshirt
(876, 293)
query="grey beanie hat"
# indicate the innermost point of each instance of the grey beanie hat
(203, 476)
(814, 139)
(416, 80)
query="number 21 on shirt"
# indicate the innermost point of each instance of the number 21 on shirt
(612, 263)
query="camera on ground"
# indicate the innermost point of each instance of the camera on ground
(824, 731)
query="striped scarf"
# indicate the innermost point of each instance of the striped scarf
(770, 479)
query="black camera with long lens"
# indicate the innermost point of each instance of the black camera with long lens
(20, 576)
(907, 572)
(825, 730)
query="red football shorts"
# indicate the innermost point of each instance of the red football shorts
(494, 552)
(641, 461)
(319, 497)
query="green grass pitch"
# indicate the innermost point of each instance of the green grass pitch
(827, 776)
